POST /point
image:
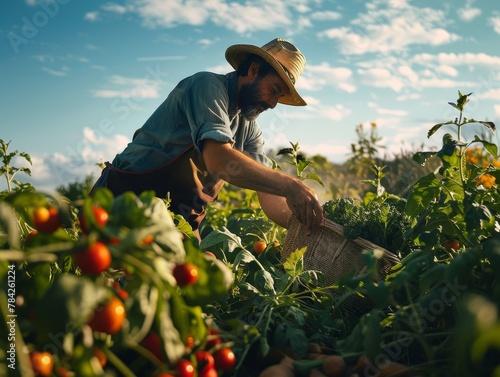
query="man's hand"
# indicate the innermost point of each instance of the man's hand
(304, 204)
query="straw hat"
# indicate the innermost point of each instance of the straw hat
(283, 56)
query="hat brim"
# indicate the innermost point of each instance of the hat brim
(237, 53)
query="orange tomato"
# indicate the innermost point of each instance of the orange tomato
(46, 220)
(109, 318)
(100, 355)
(259, 247)
(42, 363)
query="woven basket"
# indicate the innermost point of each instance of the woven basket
(333, 254)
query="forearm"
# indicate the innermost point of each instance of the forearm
(242, 171)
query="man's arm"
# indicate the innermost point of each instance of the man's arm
(240, 170)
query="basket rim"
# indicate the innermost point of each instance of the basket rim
(338, 229)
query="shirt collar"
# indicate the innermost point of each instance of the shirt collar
(232, 86)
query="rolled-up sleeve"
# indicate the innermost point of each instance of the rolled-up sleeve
(206, 106)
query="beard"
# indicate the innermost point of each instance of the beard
(249, 101)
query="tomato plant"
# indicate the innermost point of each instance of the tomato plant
(94, 259)
(108, 318)
(185, 274)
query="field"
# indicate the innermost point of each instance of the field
(119, 286)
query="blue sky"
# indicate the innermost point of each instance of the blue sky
(79, 77)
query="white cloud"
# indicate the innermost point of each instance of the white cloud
(316, 77)
(491, 94)
(495, 23)
(393, 112)
(408, 97)
(62, 72)
(114, 8)
(452, 59)
(326, 16)
(447, 70)
(468, 13)
(134, 88)
(389, 26)
(252, 16)
(91, 16)
(60, 168)
(497, 111)
(381, 78)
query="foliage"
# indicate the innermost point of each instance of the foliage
(382, 222)
(77, 191)
(300, 162)
(9, 171)
(436, 311)
(145, 245)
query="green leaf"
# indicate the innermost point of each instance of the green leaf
(489, 125)
(436, 127)
(294, 264)
(8, 225)
(371, 335)
(264, 282)
(173, 344)
(316, 178)
(490, 147)
(75, 299)
(422, 194)
(218, 236)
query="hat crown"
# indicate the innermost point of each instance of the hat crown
(289, 57)
(283, 56)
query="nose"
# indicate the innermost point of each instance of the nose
(272, 103)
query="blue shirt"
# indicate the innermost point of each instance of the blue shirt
(200, 107)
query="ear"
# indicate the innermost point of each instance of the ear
(253, 71)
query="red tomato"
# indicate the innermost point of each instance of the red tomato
(185, 368)
(100, 355)
(224, 359)
(100, 216)
(165, 375)
(30, 237)
(204, 360)
(210, 372)
(95, 259)
(452, 244)
(213, 338)
(109, 317)
(152, 343)
(185, 274)
(42, 363)
(46, 220)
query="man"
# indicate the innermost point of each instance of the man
(205, 133)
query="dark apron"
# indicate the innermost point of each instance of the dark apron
(185, 180)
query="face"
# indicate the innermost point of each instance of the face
(261, 94)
